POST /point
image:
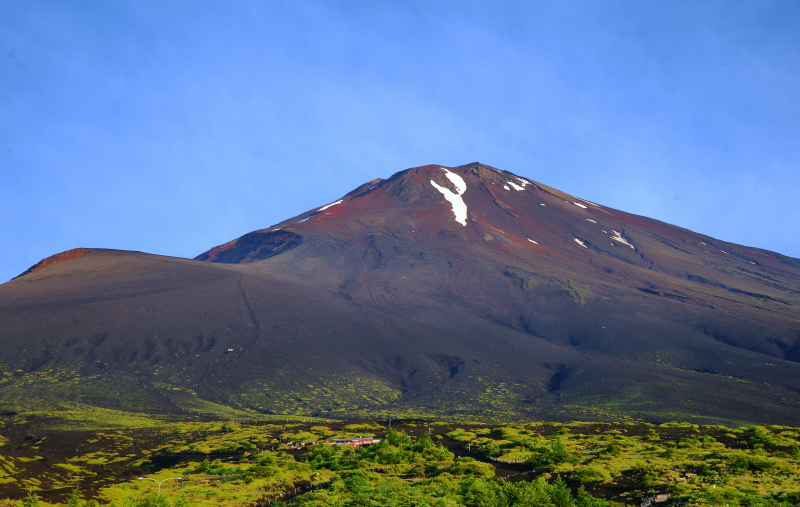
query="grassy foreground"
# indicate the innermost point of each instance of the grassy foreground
(418, 463)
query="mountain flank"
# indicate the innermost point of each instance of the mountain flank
(465, 292)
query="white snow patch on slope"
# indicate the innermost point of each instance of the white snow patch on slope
(516, 187)
(580, 243)
(532, 241)
(590, 220)
(590, 202)
(506, 187)
(329, 205)
(458, 204)
(618, 238)
(579, 204)
(457, 181)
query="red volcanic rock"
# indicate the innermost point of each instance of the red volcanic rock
(59, 257)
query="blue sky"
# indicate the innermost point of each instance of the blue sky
(172, 127)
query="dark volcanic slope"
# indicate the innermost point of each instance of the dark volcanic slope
(461, 290)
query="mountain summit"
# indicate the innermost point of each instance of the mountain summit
(464, 291)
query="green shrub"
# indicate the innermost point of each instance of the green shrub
(555, 454)
(593, 474)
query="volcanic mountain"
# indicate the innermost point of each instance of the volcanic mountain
(442, 291)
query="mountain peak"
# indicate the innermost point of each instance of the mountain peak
(474, 200)
(476, 210)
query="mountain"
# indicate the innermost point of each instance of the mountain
(464, 291)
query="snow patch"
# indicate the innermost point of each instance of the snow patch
(580, 243)
(516, 187)
(458, 204)
(579, 204)
(506, 187)
(329, 205)
(590, 202)
(457, 181)
(532, 241)
(303, 220)
(753, 263)
(590, 220)
(618, 238)
(541, 204)
(703, 243)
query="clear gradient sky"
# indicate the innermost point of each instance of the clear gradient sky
(171, 127)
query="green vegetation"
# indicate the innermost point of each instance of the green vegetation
(243, 463)
(127, 399)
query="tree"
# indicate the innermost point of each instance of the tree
(560, 494)
(425, 442)
(74, 499)
(31, 500)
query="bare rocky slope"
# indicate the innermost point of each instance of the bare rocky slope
(464, 291)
